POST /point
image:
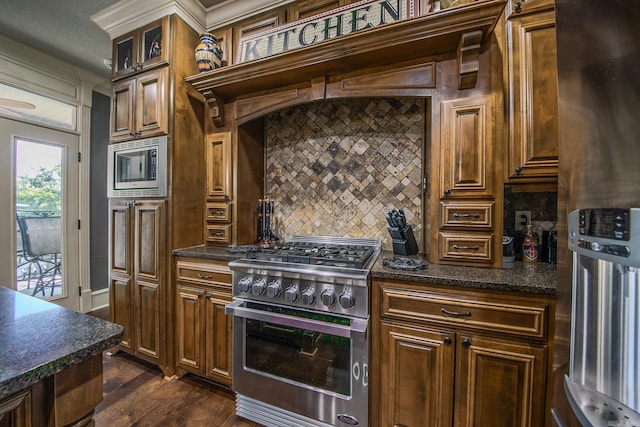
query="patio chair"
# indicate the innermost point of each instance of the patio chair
(41, 243)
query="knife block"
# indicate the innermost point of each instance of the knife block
(404, 242)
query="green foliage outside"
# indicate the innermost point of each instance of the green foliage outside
(40, 194)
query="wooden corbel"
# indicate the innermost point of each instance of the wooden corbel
(469, 59)
(216, 108)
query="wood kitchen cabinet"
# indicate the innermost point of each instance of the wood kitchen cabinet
(533, 92)
(467, 193)
(15, 411)
(136, 234)
(139, 107)
(457, 357)
(143, 232)
(234, 183)
(219, 191)
(141, 49)
(203, 330)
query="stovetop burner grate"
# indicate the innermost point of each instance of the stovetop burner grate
(352, 256)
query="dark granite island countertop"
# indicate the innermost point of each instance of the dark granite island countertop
(39, 339)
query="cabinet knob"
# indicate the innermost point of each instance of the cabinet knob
(517, 7)
(447, 340)
(519, 170)
(447, 192)
(466, 343)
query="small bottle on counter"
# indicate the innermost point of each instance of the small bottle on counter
(530, 246)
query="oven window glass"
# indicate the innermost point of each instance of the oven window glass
(311, 358)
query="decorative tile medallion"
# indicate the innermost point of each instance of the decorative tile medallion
(335, 168)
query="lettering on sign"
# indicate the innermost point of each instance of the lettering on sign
(328, 25)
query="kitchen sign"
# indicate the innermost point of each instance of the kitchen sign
(324, 26)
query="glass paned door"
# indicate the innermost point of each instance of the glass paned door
(41, 169)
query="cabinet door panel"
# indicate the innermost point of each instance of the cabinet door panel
(148, 218)
(122, 109)
(500, 384)
(189, 327)
(120, 236)
(534, 91)
(151, 106)
(16, 411)
(120, 308)
(147, 320)
(219, 166)
(466, 148)
(218, 337)
(416, 371)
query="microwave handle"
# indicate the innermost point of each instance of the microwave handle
(357, 330)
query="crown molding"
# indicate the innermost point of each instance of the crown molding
(125, 15)
(231, 11)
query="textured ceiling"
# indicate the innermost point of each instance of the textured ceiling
(63, 28)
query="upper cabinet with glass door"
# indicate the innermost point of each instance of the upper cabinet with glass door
(141, 49)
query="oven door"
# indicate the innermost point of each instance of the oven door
(312, 364)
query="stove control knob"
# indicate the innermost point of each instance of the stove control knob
(274, 289)
(347, 300)
(308, 296)
(328, 297)
(245, 284)
(259, 287)
(291, 294)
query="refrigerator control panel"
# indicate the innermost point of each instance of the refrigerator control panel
(611, 234)
(608, 223)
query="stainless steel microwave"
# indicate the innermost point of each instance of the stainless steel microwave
(138, 168)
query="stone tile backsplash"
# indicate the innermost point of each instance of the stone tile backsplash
(335, 168)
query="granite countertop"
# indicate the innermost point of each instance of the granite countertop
(39, 339)
(211, 252)
(539, 278)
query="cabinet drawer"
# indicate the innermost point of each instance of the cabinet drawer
(466, 246)
(218, 212)
(471, 215)
(203, 273)
(218, 233)
(504, 316)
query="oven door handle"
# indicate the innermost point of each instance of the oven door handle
(357, 329)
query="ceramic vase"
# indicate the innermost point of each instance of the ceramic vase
(208, 54)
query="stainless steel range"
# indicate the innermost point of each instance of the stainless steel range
(301, 332)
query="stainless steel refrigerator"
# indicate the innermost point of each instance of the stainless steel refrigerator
(598, 46)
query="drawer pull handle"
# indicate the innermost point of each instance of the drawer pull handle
(473, 248)
(456, 313)
(465, 215)
(204, 276)
(219, 212)
(218, 233)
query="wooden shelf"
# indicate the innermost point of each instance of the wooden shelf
(457, 32)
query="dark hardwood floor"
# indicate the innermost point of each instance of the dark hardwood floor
(136, 394)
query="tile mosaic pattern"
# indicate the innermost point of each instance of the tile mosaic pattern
(335, 168)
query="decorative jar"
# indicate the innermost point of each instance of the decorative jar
(208, 54)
